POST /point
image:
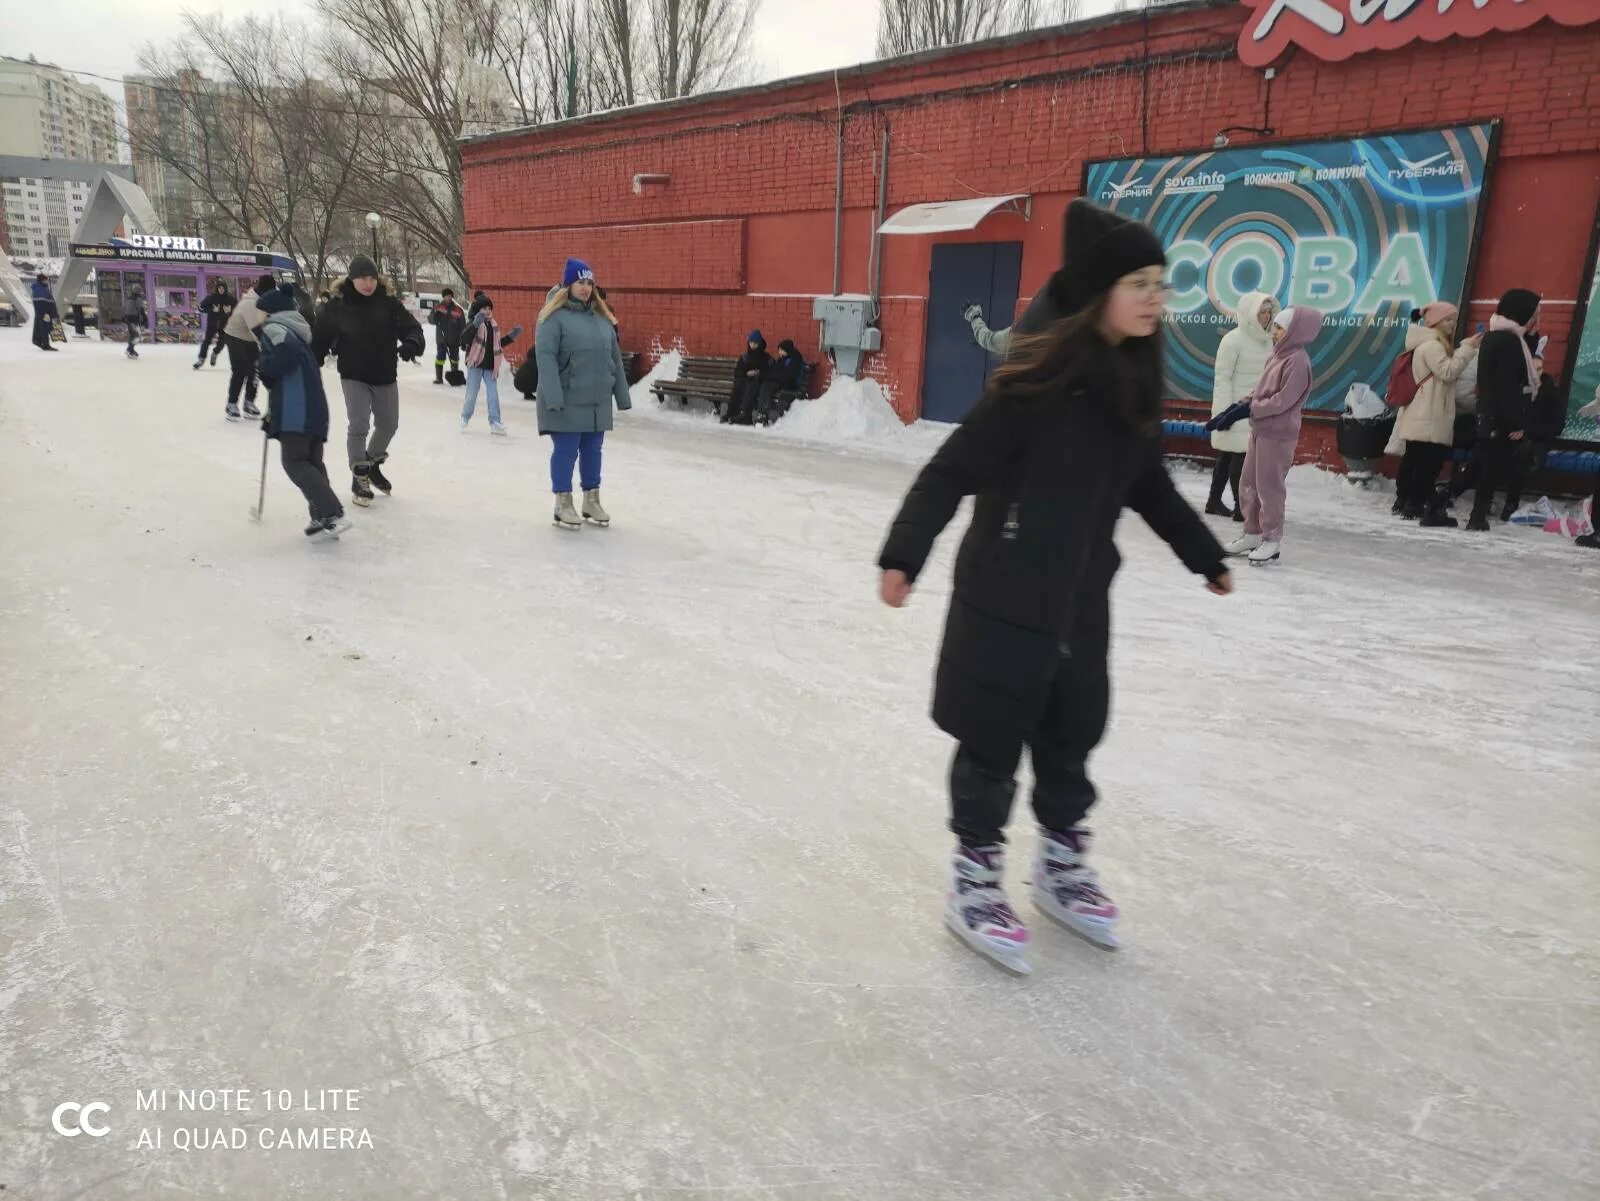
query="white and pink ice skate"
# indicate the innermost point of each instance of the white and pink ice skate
(977, 912)
(1067, 890)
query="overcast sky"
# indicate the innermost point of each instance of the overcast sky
(105, 35)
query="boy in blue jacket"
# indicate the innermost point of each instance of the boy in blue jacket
(297, 408)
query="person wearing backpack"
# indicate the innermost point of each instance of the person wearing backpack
(1431, 365)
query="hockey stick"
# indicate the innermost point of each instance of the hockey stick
(261, 497)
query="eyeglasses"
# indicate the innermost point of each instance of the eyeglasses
(1146, 287)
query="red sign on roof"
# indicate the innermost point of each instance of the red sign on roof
(1336, 29)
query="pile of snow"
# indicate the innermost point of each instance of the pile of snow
(667, 367)
(849, 411)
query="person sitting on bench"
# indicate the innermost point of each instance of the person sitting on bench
(784, 374)
(747, 377)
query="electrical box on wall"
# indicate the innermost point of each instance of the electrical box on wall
(846, 332)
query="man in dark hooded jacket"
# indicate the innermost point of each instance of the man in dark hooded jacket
(753, 364)
(784, 375)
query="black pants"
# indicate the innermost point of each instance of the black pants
(1503, 464)
(1419, 470)
(302, 463)
(743, 401)
(213, 334)
(242, 357)
(1226, 471)
(41, 331)
(133, 336)
(440, 351)
(1074, 721)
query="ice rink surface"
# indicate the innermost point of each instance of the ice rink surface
(608, 867)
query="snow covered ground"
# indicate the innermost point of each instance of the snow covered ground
(608, 866)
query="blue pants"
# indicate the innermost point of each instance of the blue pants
(476, 376)
(567, 449)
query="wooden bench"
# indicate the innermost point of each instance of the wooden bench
(711, 379)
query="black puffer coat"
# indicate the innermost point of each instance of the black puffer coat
(368, 334)
(1051, 477)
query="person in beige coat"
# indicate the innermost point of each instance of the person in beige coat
(1428, 423)
(1241, 356)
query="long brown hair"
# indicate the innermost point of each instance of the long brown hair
(1040, 365)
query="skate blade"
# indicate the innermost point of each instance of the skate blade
(1093, 933)
(596, 521)
(1017, 965)
(364, 501)
(1263, 562)
(571, 529)
(231, 417)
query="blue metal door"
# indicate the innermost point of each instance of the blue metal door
(955, 366)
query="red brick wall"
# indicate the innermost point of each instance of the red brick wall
(742, 234)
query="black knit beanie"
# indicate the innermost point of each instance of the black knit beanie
(1097, 249)
(1519, 305)
(265, 284)
(362, 267)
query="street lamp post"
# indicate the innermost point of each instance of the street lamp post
(373, 221)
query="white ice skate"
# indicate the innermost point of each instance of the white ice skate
(498, 428)
(566, 517)
(977, 912)
(1242, 545)
(1267, 552)
(1067, 890)
(465, 421)
(592, 510)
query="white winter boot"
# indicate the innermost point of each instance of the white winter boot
(1242, 545)
(976, 909)
(1068, 890)
(592, 510)
(1267, 552)
(566, 517)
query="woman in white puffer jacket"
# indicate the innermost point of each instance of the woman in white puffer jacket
(1241, 355)
(1428, 423)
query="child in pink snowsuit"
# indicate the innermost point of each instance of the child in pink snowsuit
(1275, 408)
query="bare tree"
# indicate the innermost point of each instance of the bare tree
(417, 63)
(305, 141)
(202, 139)
(907, 26)
(697, 45)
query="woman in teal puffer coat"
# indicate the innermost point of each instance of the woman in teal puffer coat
(580, 377)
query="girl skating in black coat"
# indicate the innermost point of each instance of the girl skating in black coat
(1065, 437)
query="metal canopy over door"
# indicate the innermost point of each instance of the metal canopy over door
(955, 366)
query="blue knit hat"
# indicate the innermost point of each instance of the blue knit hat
(576, 269)
(755, 336)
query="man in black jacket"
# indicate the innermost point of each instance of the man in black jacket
(368, 330)
(217, 307)
(449, 323)
(747, 373)
(1507, 384)
(785, 373)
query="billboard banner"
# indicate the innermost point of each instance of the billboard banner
(1364, 230)
(1585, 371)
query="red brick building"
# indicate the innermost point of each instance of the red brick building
(740, 232)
